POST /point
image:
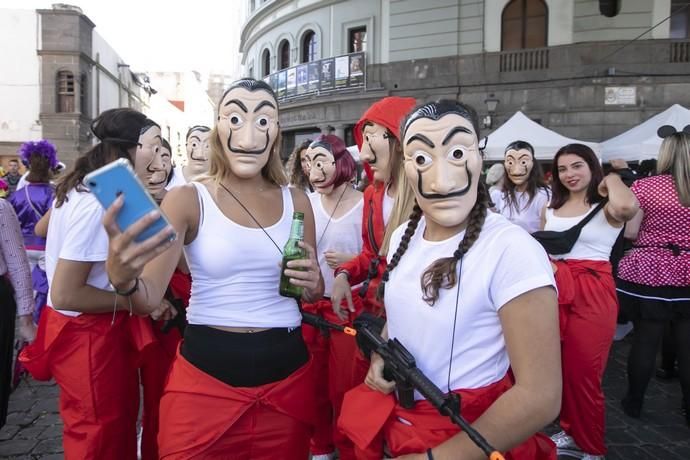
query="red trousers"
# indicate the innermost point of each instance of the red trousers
(205, 418)
(423, 427)
(93, 363)
(588, 309)
(339, 367)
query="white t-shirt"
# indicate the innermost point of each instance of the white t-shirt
(343, 234)
(76, 233)
(529, 215)
(502, 264)
(177, 179)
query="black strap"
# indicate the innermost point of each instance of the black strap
(580, 225)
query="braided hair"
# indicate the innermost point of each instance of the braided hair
(442, 272)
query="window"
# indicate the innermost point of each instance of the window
(357, 40)
(680, 18)
(83, 95)
(65, 91)
(309, 46)
(266, 63)
(284, 53)
(524, 24)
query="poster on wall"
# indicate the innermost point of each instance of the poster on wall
(282, 79)
(357, 69)
(313, 77)
(342, 70)
(291, 81)
(327, 74)
(302, 79)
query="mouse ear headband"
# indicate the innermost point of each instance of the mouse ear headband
(668, 130)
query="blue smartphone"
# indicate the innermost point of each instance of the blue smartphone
(116, 178)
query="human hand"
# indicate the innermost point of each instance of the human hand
(304, 272)
(27, 328)
(618, 163)
(126, 257)
(341, 290)
(334, 258)
(164, 312)
(374, 378)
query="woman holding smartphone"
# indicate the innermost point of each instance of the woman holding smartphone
(83, 339)
(242, 381)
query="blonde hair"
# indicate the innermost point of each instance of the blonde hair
(404, 196)
(220, 164)
(674, 159)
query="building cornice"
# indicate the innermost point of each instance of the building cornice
(68, 13)
(247, 39)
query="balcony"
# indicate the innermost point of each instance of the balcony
(524, 60)
(338, 74)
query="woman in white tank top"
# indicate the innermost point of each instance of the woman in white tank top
(587, 295)
(241, 382)
(338, 217)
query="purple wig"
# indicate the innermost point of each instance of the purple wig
(345, 166)
(42, 148)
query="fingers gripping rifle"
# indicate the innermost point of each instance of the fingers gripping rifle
(400, 366)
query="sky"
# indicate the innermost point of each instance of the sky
(159, 35)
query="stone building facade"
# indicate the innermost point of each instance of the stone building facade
(589, 69)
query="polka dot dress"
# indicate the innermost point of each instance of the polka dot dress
(665, 222)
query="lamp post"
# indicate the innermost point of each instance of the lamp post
(491, 104)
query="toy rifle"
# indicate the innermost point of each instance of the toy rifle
(400, 366)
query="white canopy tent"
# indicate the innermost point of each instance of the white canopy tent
(642, 141)
(520, 128)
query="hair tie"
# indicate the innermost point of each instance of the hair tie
(458, 254)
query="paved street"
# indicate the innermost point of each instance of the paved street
(33, 427)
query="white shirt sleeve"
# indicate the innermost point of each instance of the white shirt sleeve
(521, 266)
(85, 238)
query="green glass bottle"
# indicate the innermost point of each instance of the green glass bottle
(292, 251)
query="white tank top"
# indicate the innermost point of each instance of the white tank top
(596, 238)
(235, 270)
(343, 234)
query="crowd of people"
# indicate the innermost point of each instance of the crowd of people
(499, 283)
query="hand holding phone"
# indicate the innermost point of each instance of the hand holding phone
(137, 230)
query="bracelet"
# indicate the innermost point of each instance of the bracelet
(429, 454)
(339, 271)
(130, 291)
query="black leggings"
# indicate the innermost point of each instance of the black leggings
(245, 359)
(642, 358)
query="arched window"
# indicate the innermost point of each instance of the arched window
(524, 24)
(284, 53)
(309, 46)
(680, 20)
(266, 63)
(65, 91)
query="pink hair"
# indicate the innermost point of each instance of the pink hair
(345, 166)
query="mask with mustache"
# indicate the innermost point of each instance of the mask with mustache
(518, 164)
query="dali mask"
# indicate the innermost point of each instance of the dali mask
(518, 164)
(247, 129)
(376, 150)
(442, 164)
(150, 164)
(321, 168)
(198, 150)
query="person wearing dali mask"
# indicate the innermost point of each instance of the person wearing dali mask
(523, 192)
(484, 291)
(198, 151)
(338, 217)
(241, 382)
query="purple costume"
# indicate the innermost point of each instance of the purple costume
(31, 203)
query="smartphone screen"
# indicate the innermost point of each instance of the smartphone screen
(118, 178)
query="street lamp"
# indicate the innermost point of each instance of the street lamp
(491, 104)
